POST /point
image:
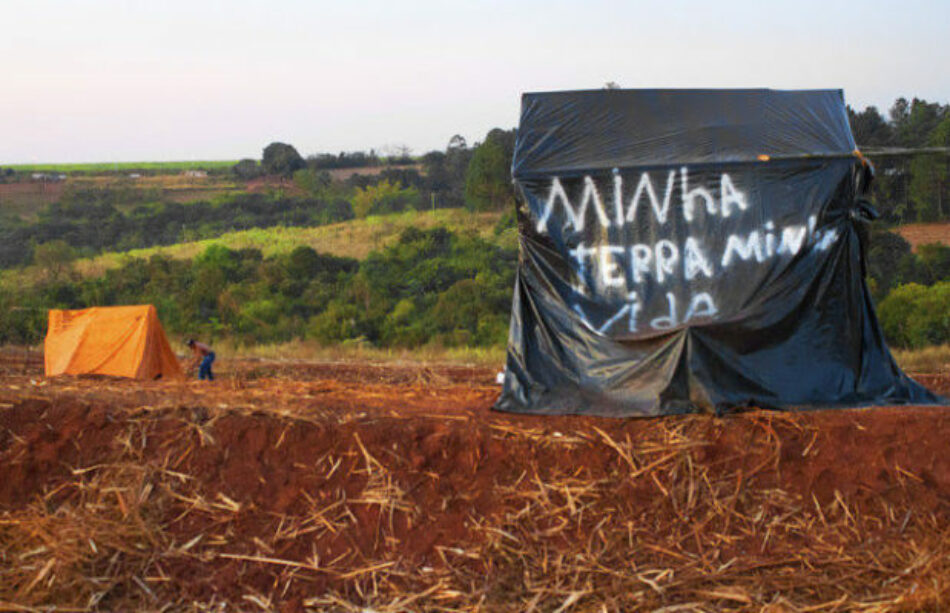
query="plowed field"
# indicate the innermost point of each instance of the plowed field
(352, 487)
(925, 233)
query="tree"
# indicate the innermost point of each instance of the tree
(505, 138)
(54, 258)
(457, 142)
(312, 181)
(473, 311)
(281, 159)
(887, 256)
(915, 316)
(384, 197)
(914, 122)
(899, 111)
(247, 169)
(445, 173)
(488, 179)
(398, 154)
(934, 262)
(870, 128)
(930, 177)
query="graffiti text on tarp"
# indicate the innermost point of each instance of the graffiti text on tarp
(671, 261)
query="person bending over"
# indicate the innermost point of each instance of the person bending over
(203, 353)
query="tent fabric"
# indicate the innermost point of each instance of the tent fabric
(123, 341)
(693, 250)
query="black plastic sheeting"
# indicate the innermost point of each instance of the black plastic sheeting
(693, 250)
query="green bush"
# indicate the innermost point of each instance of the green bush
(384, 197)
(915, 316)
(337, 323)
(934, 262)
(429, 287)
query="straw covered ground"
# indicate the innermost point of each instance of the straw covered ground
(342, 487)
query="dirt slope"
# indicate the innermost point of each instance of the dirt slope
(337, 487)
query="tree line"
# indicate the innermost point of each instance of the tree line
(912, 185)
(91, 222)
(123, 217)
(430, 287)
(478, 178)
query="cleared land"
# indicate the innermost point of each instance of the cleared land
(342, 174)
(26, 198)
(175, 187)
(924, 233)
(313, 487)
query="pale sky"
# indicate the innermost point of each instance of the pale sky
(111, 80)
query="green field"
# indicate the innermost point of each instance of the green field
(97, 167)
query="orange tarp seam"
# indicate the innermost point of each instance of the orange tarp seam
(123, 341)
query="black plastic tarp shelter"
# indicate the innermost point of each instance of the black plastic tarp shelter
(687, 250)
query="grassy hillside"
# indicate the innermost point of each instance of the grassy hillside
(354, 239)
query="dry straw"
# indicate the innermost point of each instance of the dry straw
(682, 514)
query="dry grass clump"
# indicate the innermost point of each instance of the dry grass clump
(332, 495)
(91, 540)
(933, 359)
(704, 540)
(98, 540)
(297, 350)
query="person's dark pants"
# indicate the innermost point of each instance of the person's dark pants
(204, 371)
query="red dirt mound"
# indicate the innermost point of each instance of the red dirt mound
(338, 487)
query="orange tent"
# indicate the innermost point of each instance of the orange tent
(124, 341)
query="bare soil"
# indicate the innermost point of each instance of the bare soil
(25, 198)
(342, 174)
(274, 183)
(925, 233)
(313, 487)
